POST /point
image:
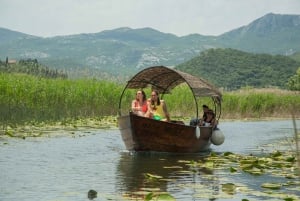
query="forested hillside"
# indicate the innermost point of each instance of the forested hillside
(233, 69)
(296, 56)
(30, 67)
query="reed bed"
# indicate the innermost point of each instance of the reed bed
(261, 103)
(26, 98)
(241, 104)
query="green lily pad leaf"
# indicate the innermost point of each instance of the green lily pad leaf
(290, 176)
(276, 154)
(291, 159)
(9, 133)
(213, 154)
(277, 164)
(249, 161)
(152, 176)
(273, 186)
(288, 199)
(231, 169)
(229, 188)
(246, 166)
(209, 164)
(159, 197)
(228, 153)
(254, 171)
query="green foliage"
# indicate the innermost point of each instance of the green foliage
(233, 69)
(259, 104)
(294, 82)
(26, 98)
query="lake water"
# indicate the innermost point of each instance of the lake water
(65, 168)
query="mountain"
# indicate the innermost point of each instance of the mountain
(273, 34)
(7, 35)
(121, 51)
(124, 51)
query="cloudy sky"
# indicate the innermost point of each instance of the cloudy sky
(180, 17)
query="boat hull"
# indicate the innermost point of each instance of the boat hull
(145, 134)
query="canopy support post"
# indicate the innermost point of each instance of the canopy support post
(120, 101)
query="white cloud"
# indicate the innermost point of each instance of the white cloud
(180, 17)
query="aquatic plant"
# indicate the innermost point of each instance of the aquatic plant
(26, 98)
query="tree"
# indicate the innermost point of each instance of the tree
(294, 81)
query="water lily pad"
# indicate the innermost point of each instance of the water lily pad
(231, 169)
(253, 171)
(288, 199)
(276, 154)
(152, 176)
(273, 186)
(209, 164)
(228, 153)
(159, 197)
(229, 188)
(291, 159)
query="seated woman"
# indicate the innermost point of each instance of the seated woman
(157, 109)
(210, 120)
(139, 105)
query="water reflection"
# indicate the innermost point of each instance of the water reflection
(141, 173)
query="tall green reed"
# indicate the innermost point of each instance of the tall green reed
(29, 98)
(25, 98)
(254, 104)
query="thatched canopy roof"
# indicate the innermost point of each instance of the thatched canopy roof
(165, 79)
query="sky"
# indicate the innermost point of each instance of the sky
(47, 18)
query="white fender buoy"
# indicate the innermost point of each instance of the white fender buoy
(217, 137)
(197, 132)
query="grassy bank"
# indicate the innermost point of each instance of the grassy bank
(26, 98)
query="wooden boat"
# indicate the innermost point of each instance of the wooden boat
(146, 134)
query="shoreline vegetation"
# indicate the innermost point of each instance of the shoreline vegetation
(30, 104)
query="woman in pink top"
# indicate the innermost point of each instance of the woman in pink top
(139, 105)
